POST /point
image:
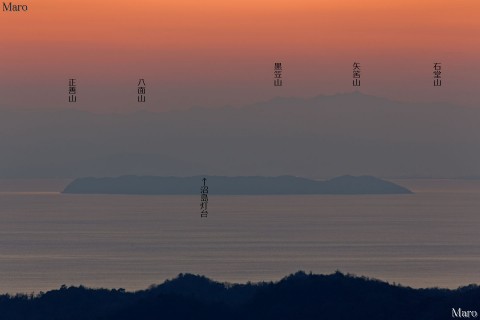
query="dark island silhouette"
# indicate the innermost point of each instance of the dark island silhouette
(254, 185)
(300, 296)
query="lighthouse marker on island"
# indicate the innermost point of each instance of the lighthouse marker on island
(204, 199)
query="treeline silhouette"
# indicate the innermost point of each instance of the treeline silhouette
(298, 296)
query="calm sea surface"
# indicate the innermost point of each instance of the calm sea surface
(47, 239)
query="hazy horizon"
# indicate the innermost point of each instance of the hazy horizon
(326, 136)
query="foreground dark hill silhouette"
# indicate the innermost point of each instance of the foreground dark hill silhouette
(298, 296)
(234, 185)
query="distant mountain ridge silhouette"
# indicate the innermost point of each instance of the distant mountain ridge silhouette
(220, 185)
(321, 136)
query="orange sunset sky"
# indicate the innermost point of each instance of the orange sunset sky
(215, 53)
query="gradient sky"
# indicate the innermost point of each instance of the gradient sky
(217, 52)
